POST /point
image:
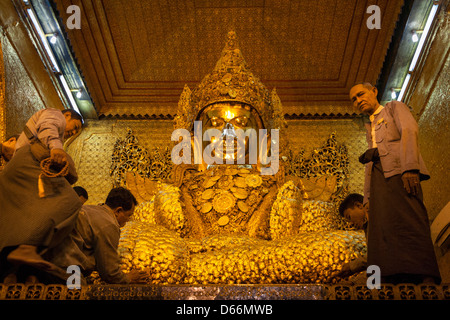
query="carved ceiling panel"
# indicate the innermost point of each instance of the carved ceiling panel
(137, 55)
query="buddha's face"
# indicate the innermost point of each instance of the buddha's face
(233, 121)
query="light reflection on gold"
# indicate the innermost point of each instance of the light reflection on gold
(229, 115)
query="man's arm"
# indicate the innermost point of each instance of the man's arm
(367, 173)
(367, 166)
(50, 128)
(409, 146)
(409, 132)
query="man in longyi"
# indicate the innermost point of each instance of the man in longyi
(399, 240)
(37, 211)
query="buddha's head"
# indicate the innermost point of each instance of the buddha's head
(232, 105)
(228, 129)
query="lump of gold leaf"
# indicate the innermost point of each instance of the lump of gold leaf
(253, 180)
(240, 182)
(223, 221)
(240, 193)
(206, 207)
(310, 257)
(243, 206)
(309, 247)
(207, 194)
(209, 183)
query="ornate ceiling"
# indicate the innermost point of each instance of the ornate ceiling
(137, 55)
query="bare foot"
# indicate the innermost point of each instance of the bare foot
(428, 280)
(31, 279)
(10, 278)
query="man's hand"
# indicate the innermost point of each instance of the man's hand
(411, 182)
(137, 276)
(345, 271)
(58, 156)
(366, 208)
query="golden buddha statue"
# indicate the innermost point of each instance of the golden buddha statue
(230, 214)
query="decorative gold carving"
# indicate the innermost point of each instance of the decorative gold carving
(99, 291)
(184, 117)
(324, 174)
(129, 156)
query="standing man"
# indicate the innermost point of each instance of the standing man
(399, 240)
(37, 211)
